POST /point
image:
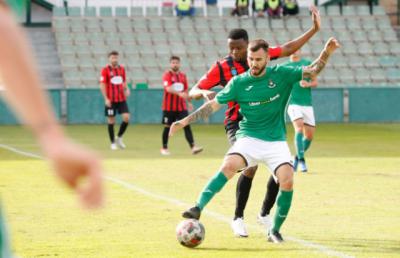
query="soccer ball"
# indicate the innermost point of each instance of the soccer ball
(190, 233)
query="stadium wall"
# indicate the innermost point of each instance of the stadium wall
(86, 106)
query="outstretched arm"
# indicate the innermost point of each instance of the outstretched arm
(312, 71)
(292, 46)
(197, 93)
(202, 112)
(23, 92)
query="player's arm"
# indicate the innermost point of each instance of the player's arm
(311, 72)
(311, 84)
(23, 93)
(107, 102)
(207, 82)
(292, 46)
(202, 112)
(168, 87)
(125, 85)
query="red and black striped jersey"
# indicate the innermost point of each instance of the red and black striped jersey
(178, 82)
(222, 72)
(114, 78)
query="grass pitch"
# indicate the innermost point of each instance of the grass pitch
(347, 205)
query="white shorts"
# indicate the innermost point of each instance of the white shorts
(305, 112)
(254, 151)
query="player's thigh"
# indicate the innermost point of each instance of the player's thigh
(181, 114)
(276, 155)
(168, 118)
(298, 125)
(232, 163)
(309, 117)
(110, 113)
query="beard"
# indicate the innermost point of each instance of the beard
(175, 69)
(258, 72)
(114, 64)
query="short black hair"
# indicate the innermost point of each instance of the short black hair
(174, 58)
(257, 44)
(238, 34)
(113, 53)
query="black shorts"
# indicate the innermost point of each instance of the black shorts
(120, 107)
(231, 128)
(171, 116)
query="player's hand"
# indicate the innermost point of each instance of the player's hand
(72, 164)
(304, 84)
(178, 125)
(190, 107)
(331, 45)
(183, 95)
(128, 92)
(316, 17)
(107, 102)
(209, 95)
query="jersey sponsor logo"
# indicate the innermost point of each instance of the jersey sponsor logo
(257, 103)
(249, 88)
(177, 86)
(117, 80)
(271, 84)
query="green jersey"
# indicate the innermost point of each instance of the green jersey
(300, 96)
(262, 101)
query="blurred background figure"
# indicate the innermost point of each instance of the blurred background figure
(241, 8)
(274, 8)
(290, 7)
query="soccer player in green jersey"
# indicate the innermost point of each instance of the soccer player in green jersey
(301, 112)
(262, 93)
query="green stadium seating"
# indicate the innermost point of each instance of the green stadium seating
(121, 11)
(89, 12)
(105, 11)
(74, 11)
(59, 11)
(333, 10)
(151, 11)
(136, 11)
(349, 10)
(167, 11)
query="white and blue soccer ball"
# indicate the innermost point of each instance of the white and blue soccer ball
(190, 233)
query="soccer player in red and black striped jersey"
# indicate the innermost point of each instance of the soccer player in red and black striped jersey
(174, 105)
(219, 75)
(114, 90)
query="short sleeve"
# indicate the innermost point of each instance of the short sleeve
(274, 52)
(210, 79)
(228, 93)
(166, 80)
(292, 74)
(103, 76)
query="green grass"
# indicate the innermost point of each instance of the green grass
(348, 202)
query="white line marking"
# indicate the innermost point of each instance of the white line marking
(323, 249)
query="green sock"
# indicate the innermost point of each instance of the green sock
(284, 200)
(306, 144)
(299, 145)
(213, 186)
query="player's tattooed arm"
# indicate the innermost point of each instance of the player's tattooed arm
(312, 71)
(202, 112)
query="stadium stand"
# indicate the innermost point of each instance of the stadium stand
(147, 36)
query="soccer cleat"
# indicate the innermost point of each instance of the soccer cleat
(303, 166)
(265, 221)
(165, 152)
(239, 228)
(295, 163)
(120, 143)
(192, 213)
(196, 150)
(275, 237)
(113, 146)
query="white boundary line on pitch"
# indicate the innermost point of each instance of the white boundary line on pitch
(215, 215)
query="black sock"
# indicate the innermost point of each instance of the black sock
(122, 128)
(111, 132)
(189, 136)
(165, 137)
(270, 196)
(242, 194)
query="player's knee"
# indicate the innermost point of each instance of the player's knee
(250, 172)
(286, 183)
(229, 169)
(125, 118)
